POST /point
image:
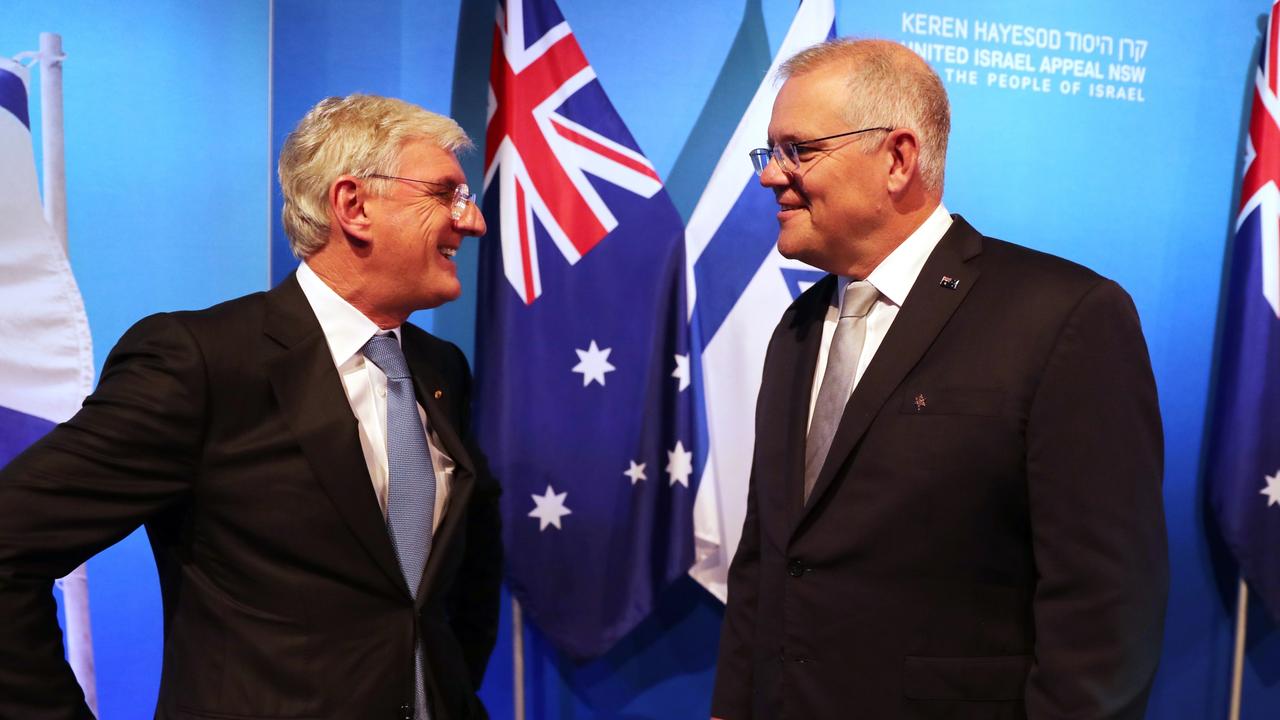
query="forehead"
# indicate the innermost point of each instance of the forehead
(809, 105)
(424, 160)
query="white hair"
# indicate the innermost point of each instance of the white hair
(360, 135)
(888, 85)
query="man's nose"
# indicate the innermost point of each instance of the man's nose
(773, 175)
(471, 222)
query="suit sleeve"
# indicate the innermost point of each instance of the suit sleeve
(1094, 472)
(476, 595)
(731, 698)
(127, 454)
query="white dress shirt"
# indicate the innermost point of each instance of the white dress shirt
(893, 277)
(346, 330)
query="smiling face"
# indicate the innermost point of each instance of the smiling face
(414, 238)
(833, 206)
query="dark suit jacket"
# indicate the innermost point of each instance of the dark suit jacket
(228, 433)
(986, 538)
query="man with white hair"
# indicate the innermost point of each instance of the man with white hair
(326, 531)
(955, 502)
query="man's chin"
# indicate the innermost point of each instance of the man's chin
(786, 246)
(793, 248)
(439, 296)
(450, 294)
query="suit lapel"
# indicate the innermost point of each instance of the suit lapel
(435, 397)
(925, 312)
(313, 403)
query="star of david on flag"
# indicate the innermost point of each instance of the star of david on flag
(581, 334)
(1244, 445)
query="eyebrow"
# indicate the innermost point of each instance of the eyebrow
(783, 137)
(446, 184)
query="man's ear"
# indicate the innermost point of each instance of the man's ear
(347, 198)
(904, 152)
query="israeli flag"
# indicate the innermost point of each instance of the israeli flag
(738, 287)
(46, 354)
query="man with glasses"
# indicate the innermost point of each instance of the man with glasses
(326, 532)
(955, 502)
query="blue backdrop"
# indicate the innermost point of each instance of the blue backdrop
(175, 112)
(165, 110)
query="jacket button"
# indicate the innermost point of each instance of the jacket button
(406, 712)
(795, 568)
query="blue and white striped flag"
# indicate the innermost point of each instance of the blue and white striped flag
(46, 357)
(738, 288)
(46, 354)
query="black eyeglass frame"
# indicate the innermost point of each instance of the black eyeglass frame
(789, 152)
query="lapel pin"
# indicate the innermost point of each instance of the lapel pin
(949, 282)
(439, 394)
(921, 402)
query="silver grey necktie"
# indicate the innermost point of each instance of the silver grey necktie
(837, 379)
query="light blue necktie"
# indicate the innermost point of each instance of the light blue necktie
(411, 491)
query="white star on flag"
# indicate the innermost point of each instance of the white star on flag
(681, 372)
(594, 363)
(1272, 490)
(635, 472)
(679, 464)
(549, 508)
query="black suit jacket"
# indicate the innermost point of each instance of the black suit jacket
(227, 431)
(986, 538)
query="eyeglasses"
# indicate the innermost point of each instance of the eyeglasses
(787, 154)
(460, 196)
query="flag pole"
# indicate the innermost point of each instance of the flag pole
(517, 651)
(1237, 663)
(75, 606)
(53, 148)
(75, 587)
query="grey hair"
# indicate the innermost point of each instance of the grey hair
(888, 85)
(360, 135)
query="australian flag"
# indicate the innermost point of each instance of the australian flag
(1244, 452)
(582, 357)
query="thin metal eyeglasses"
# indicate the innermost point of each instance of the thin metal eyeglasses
(788, 153)
(461, 194)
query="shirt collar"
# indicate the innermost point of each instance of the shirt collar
(895, 275)
(345, 328)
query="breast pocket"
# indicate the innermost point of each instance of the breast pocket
(978, 402)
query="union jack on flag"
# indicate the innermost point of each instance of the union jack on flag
(583, 392)
(1244, 445)
(540, 155)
